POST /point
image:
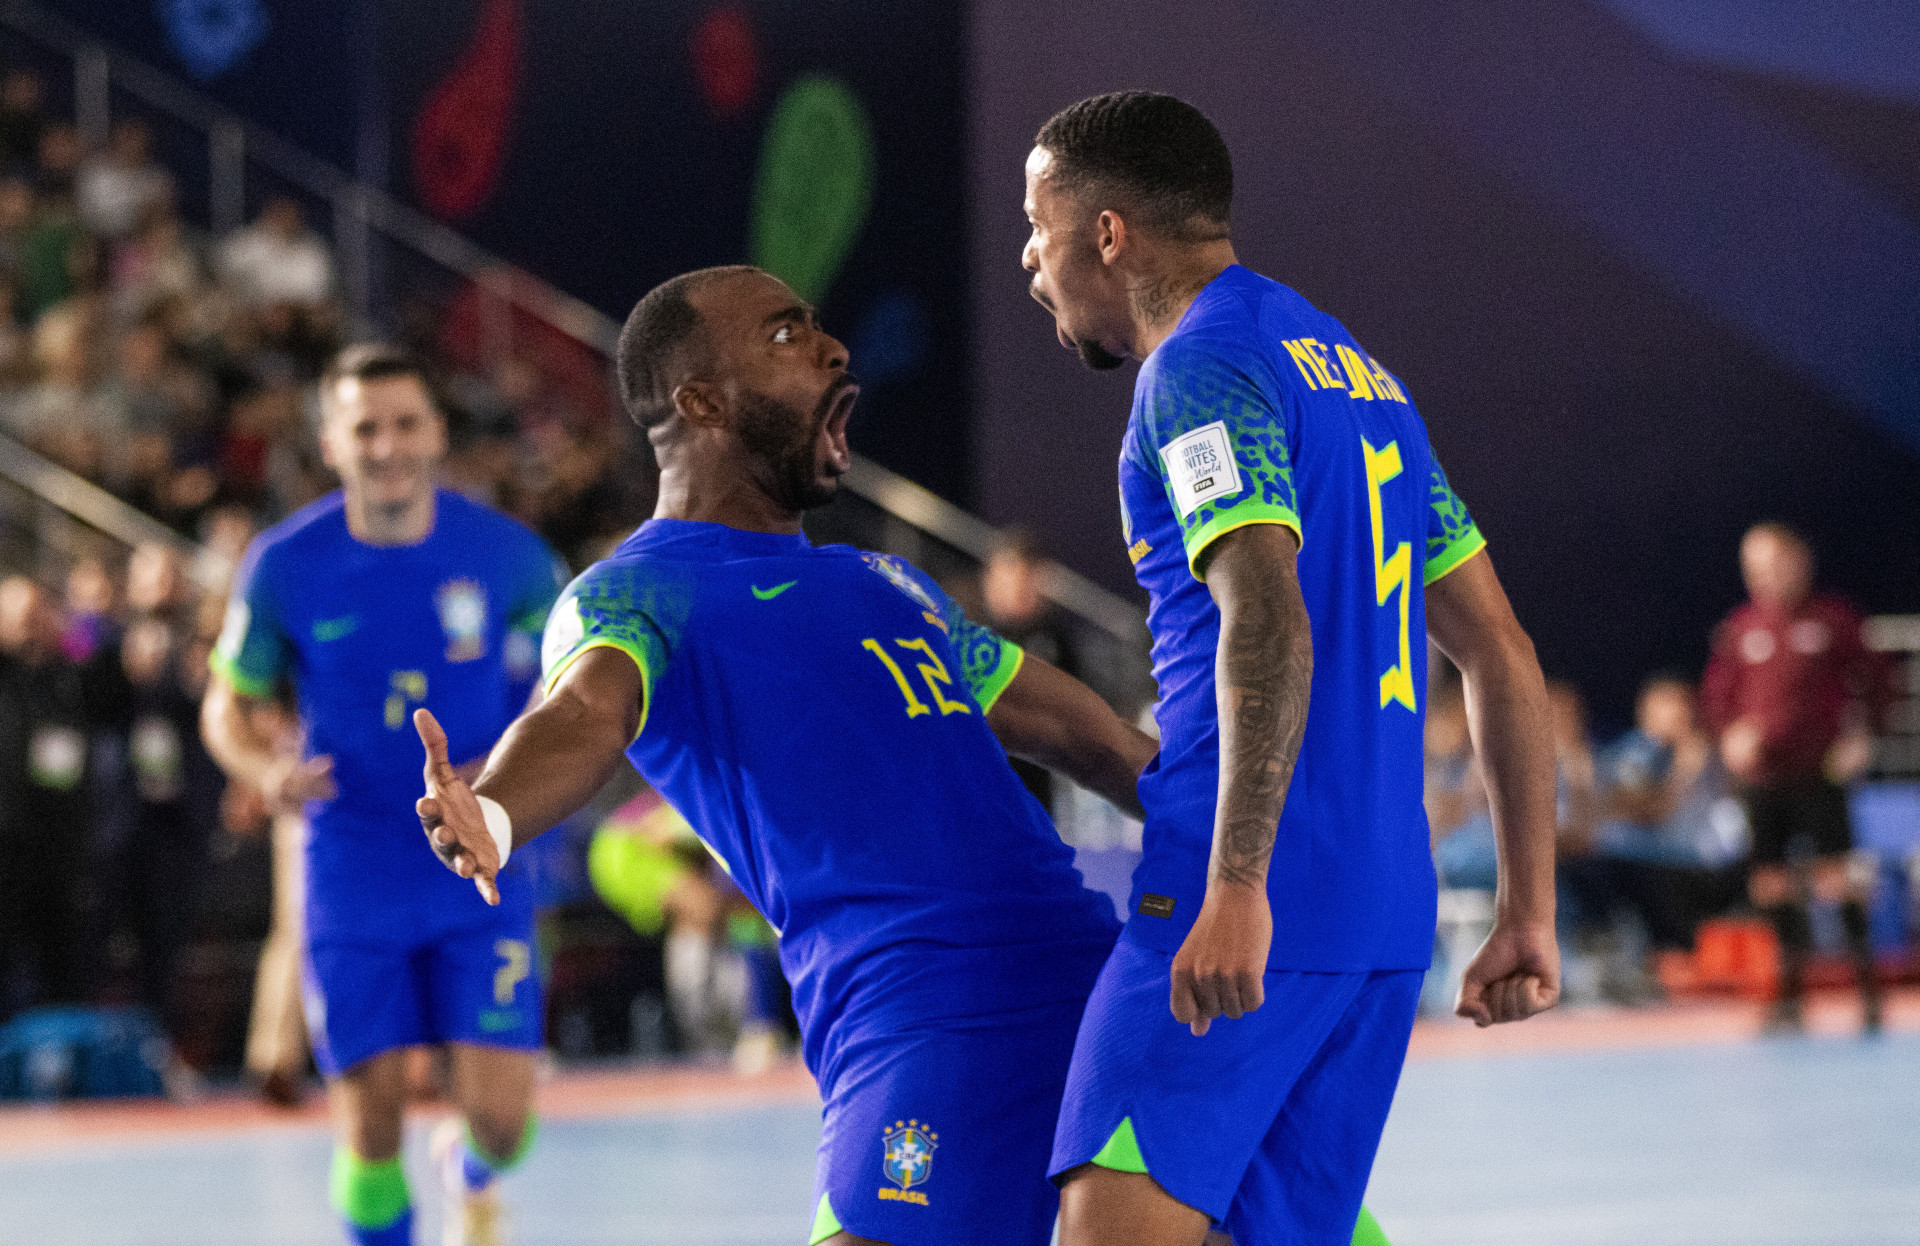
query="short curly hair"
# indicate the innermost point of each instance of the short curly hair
(661, 343)
(1151, 153)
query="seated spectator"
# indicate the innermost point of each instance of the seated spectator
(1576, 806)
(277, 259)
(1458, 816)
(1664, 786)
(90, 625)
(1457, 812)
(20, 120)
(175, 789)
(115, 188)
(158, 588)
(154, 264)
(67, 415)
(55, 253)
(17, 207)
(44, 814)
(1667, 855)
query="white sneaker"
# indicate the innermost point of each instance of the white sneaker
(468, 1217)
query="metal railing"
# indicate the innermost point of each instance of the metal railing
(361, 212)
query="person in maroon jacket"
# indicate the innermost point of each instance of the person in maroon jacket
(1794, 695)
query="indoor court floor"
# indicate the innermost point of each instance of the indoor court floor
(1660, 1128)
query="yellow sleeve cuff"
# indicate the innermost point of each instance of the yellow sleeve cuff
(1464, 546)
(559, 668)
(1243, 516)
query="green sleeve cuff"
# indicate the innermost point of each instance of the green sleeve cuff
(1464, 546)
(559, 668)
(1244, 515)
(988, 691)
(244, 684)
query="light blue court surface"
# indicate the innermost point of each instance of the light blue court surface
(1805, 1143)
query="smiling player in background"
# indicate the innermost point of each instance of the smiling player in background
(1241, 1050)
(388, 595)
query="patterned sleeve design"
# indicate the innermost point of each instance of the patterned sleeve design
(1452, 536)
(988, 660)
(1220, 445)
(637, 608)
(253, 652)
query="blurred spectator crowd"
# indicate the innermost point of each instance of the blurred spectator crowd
(175, 370)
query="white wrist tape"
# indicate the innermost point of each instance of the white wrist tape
(499, 825)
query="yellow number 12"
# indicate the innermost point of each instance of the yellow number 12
(1390, 573)
(933, 671)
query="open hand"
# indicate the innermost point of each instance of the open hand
(291, 782)
(1515, 975)
(1219, 970)
(450, 814)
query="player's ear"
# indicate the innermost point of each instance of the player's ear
(1110, 236)
(699, 404)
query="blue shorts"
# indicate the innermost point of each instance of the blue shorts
(935, 1137)
(471, 986)
(1267, 1124)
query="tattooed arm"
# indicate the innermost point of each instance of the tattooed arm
(1264, 673)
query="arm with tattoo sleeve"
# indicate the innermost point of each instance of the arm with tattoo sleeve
(1264, 677)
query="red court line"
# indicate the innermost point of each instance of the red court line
(580, 1094)
(569, 1095)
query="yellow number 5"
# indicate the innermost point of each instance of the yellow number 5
(1390, 573)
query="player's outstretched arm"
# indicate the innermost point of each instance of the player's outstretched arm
(1517, 971)
(551, 762)
(1263, 670)
(1048, 717)
(249, 757)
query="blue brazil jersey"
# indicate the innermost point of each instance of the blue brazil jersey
(1261, 409)
(818, 715)
(367, 634)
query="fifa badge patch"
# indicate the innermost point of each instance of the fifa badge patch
(907, 1151)
(463, 616)
(1200, 467)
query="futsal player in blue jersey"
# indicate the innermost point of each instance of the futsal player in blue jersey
(1299, 543)
(837, 732)
(388, 595)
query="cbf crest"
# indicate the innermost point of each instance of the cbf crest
(896, 574)
(908, 1150)
(463, 617)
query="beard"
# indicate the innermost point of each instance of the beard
(1096, 356)
(784, 440)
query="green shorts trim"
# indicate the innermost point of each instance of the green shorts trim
(825, 1223)
(1122, 1152)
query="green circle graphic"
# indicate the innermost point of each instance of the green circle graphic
(814, 186)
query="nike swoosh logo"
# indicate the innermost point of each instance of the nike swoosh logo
(334, 629)
(768, 594)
